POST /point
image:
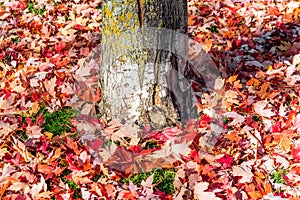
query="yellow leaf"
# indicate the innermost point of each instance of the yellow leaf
(48, 134)
(208, 45)
(231, 79)
(296, 13)
(35, 107)
(237, 84)
(270, 68)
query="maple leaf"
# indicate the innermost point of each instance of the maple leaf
(253, 81)
(284, 46)
(38, 187)
(73, 146)
(297, 122)
(18, 186)
(6, 171)
(232, 79)
(244, 172)
(296, 151)
(107, 152)
(231, 97)
(46, 169)
(50, 86)
(199, 191)
(149, 182)
(296, 59)
(225, 161)
(60, 46)
(172, 133)
(171, 151)
(260, 108)
(237, 118)
(229, 3)
(128, 131)
(132, 194)
(6, 129)
(219, 83)
(72, 165)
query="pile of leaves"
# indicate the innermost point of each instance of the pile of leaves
(245, 144)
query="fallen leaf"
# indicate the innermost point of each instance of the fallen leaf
(219, 83)
(260, 108)
(200, 193)
(237, 118)
(244, 172)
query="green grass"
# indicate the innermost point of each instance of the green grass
(72, 185)
(56, 122)
(75, 188)
(277, 176)
(96, 177)
(6, 59)
(16, 40)
(22, 135)
(163, 178)
(213, 29)
(67, 18)
(150, 144)
(55, 3)
(38, 11)
(226, 120)
(256, 118)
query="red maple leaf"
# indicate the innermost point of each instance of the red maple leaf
(296, 152)
(225, 161)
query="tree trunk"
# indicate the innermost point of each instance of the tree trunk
(146, 75)
(138, 84)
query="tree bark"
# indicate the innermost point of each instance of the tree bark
(141, 85)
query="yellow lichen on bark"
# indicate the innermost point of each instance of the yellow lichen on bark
(119, 16)
(120, 31)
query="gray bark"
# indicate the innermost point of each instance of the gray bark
(136, 83)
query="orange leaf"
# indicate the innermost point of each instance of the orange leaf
(294, 198)
(252, 192)
(253, 81)
(234, 137)
(191, 20)
(263, 185)
(237, 84)
(296, 169)
(72, 145)
(296, 13)
(231, 79)
(283, 140)
(263, 90)
(208, 44)
(46, 169)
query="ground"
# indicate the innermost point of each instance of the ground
(255, 106)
